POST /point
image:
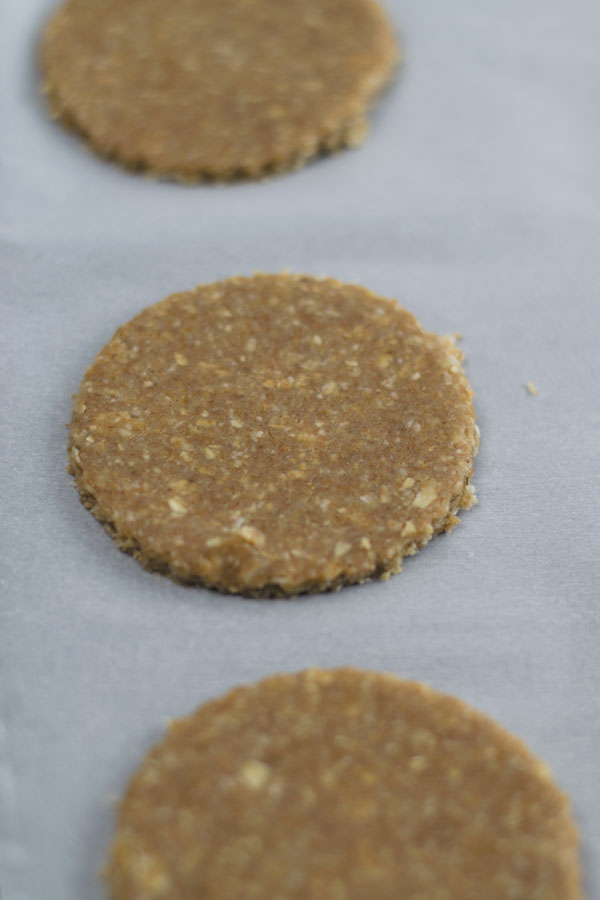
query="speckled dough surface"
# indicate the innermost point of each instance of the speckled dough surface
(217, 88)
(274, 435)
(342, 785)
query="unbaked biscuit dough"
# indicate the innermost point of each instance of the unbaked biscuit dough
(274, 435)
(216, 88)
(342, 785)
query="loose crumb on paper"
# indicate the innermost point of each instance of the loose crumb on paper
(532, 389)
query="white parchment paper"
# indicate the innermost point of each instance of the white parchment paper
(476, 202)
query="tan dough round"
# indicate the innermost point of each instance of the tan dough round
(342, 785)
(274, 435)
(216, 88)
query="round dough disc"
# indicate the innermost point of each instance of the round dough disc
(216, 88)
(274, 435)
(342, 785)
